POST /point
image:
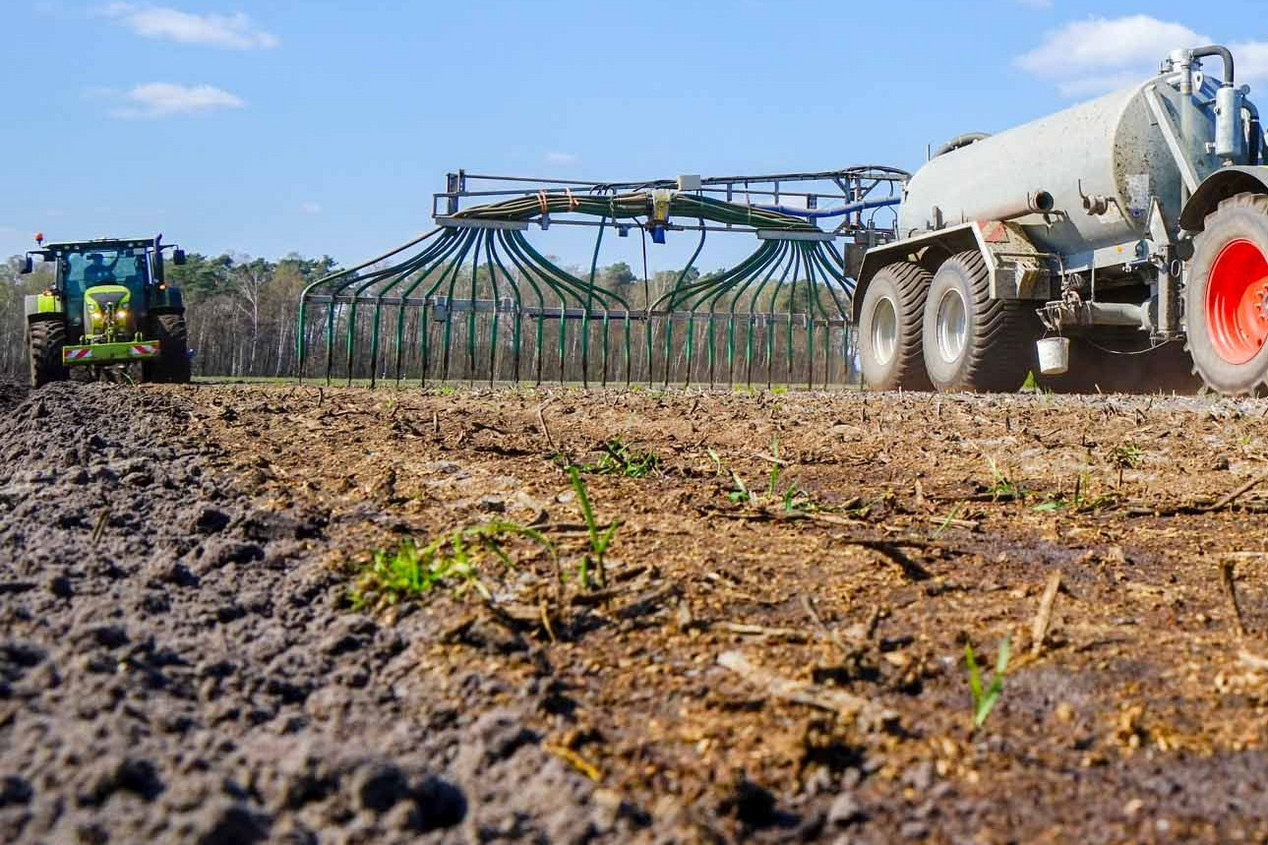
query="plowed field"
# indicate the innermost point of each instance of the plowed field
(771, 649)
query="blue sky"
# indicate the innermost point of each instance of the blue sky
(322, 126)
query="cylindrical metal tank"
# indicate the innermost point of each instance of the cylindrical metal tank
(1110, 147)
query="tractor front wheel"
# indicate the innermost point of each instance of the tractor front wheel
(45, 339)
(172, 364)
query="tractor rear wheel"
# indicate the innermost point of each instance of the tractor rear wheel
(45, 339)
(973, 342)
(1226, 299)
(889, 328)
(172, 364)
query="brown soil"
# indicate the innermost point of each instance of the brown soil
(749, 673)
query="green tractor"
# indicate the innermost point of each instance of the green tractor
(109, 307)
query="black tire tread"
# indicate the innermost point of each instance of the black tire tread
(912, 282)
(1250, 201)
(1001, 350)
(172, 366)
(45, 339)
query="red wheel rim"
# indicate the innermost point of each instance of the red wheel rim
(1236, 296)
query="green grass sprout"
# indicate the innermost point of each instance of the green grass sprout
(600, 539)
(984, 701)
(451, 560)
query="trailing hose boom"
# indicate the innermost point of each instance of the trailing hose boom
(474, 300)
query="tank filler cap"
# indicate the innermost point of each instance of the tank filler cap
(1180, 58)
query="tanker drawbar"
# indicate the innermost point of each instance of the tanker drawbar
(1134, 228)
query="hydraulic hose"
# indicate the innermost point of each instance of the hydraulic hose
(1255, 152)
(626, 206)
(1225, 54)
(960, 141)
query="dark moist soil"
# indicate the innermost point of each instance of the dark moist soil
(180, 660)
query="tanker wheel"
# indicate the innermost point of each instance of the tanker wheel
(1226, 300)
(45, 339)
(889, 328)
(973, 342)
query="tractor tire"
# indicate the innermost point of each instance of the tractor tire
(1093, 369)
(889, 328)
(972, 342)
(45, 339)
(172, 365)
(1226, 299)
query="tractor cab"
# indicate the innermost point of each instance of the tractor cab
(107, 286)
(100, 285)
(109, 306)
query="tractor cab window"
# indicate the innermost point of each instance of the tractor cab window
(82, 270)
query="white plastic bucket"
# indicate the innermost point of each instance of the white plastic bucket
(1054, 355)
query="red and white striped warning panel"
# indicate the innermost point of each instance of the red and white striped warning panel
(76, 354)
(141, 349)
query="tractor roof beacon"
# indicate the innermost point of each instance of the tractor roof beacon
(109, 307)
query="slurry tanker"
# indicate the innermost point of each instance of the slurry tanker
(1130, 229)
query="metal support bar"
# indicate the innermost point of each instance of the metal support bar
(852, 185)
(1187, 172)
(463, 223)
(768, 235)
(1101, 314)
(440, 309)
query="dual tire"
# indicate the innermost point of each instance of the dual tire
(944, 331)
(890, 337)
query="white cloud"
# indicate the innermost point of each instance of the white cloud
(1076, 54)
(1090, 57)
(310, 207)
(1252, 61)
(561, 158)
(162, 99)
(235, 32)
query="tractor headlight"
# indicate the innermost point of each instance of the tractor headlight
(122, 314)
